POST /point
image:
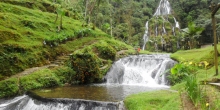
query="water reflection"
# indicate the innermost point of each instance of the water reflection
(98, 92)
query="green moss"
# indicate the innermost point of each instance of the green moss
(9, 35)
(92, 61)
(86, 65)
(105, 51)
(9, 87)
(24, 30)
(39, 79)
(65, 74)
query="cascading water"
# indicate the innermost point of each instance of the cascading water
(129, 75)
(32, 102)
(160, 29)
(145, 35)
(163, 8)
(147, 70)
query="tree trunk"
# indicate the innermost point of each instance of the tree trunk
(61, 22)
(56, 19)
(110, 19)
(86, 10)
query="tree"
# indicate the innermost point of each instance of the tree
(192, 33)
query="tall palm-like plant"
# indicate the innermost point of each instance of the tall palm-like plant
(192, 33)
(60, 10)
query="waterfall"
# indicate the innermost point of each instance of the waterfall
(164, 30)
(176, 23)
(129, 75)
(145, 37)
(140, 70)
(163, 10)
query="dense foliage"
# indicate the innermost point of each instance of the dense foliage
(125, 19)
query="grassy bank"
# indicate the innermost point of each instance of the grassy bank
(157, 100)
(166, 100)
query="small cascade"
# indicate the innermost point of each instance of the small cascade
(164, 30)
(140, 70)
(33, 102)
(161, 24)
(176, 23)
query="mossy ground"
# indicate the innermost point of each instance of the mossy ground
(30, 37)
(24, 30)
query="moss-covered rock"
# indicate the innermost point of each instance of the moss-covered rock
(65, 74)
(106, 51)
(86, 65)
(39, 79)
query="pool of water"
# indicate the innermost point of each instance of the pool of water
(97, 92)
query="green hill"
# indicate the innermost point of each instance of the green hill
(30, 37)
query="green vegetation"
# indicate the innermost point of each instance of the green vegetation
(196, 55)
(9, 87)
(156, 100)
(179, 73)
(192, 89)
(92, 62)
(39, 79)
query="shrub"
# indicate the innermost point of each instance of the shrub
(106, 51)
(87, 66)
(192, 89)
(66, 74)
(180, 71)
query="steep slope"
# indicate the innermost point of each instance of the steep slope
(30, 37)
(31, 40)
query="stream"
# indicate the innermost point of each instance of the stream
(129, 75)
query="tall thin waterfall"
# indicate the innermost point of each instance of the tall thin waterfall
(160, 29)
(141, 70)
(163, 8)
(145, 38)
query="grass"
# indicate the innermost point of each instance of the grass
(156, 100)
(196, 55)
